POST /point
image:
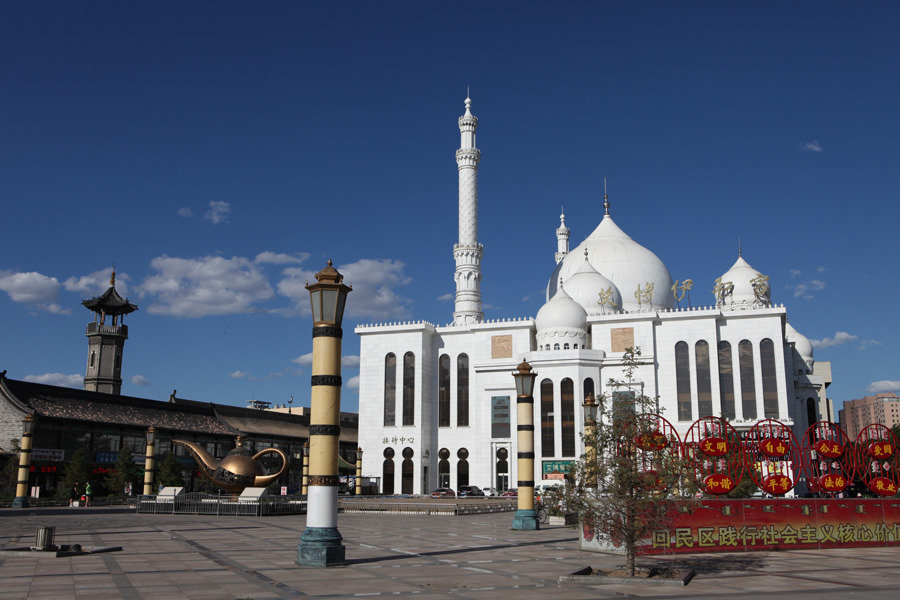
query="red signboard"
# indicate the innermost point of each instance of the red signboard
(833, 483)
(882, 486)
(713, 451)
(880, 449)
(828, 449)
(777, 485)
(653, 441)
(774, 447)
(718, 483)
(828, 466)
(713, 446)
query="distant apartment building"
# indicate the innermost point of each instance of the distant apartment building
(880, 408)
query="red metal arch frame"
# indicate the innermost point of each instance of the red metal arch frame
(712, 449)
(877, 458)
(828, 462)
(656, 440)
(772, 457)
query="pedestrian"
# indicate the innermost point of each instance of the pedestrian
(73, 495)
(87, 493)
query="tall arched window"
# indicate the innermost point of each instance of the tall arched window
(769, 382)
(409, 388)
(683, 381)
(588, 387)
(547, 439)
(406, 479)
(462, 390)
(444, 391)
(443, 468)
(704, 381)
(748, 382)
(462, 468)
(390, 390)
(387, 472)
(502, 469)
(726, 381)
(92, 358)
(567, 414)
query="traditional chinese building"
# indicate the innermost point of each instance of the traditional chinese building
(435, 400)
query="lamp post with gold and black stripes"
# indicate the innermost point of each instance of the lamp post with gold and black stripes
(320, 543)
(21, 499)
(526, 517)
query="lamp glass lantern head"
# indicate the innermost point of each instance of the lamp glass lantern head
(359, 452)
(590, 409)
(28, 423)
(328, 297)
(151, 435)
(524, 377)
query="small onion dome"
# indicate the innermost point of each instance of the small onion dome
(742, 286)
(594, 292)
(561, 323)
(803, 348)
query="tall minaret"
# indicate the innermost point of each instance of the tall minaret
(562, 238)
(468, 252)
(106, 340)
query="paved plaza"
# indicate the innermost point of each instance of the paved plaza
(466, 557)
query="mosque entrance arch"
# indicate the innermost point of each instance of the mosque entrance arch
(407, 472)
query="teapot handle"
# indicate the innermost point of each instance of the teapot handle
(279, 452)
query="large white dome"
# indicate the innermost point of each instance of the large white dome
(588, 288)
(624, 262)
(561, 322)
(802, 345)
(742, 286)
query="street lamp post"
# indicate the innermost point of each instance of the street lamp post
(304, 480)
(359, 453)
(21, 499)
(148, 461)
(590, 449)
(320, 543)
(525, 517)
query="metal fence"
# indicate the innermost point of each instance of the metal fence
(198, 503)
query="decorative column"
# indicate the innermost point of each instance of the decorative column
(304, 481)
(468, 252)
(148, 461)
(21, 499)
(562, 239)
(320, 543)
(590, 449)
(359, 471)
(526, 517)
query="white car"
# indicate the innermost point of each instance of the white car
(489, 491)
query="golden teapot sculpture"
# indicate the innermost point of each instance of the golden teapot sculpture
(238, 470)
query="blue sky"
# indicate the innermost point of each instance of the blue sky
(219, 153)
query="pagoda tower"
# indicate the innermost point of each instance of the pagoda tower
(106, 340)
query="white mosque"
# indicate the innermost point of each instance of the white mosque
(437, 402)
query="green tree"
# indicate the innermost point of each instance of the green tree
(744, 489)
(123, 472)
(76, 471)
(168, 471)
(630, 486)
(9, 473)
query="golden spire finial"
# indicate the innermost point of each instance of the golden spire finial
(605, 199)
(112, 276)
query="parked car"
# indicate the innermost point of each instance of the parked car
(489, 491)
(510, 493)
(469, 491)
(443, 493)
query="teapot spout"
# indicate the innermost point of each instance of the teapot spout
(200, 454)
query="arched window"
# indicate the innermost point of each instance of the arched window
(547, 440)
(748, 382)
(387, 472)
(444, 391)
(683, 381)
(443, 468)
(726, 381)
(574, 346)
(502, 469)
(588, 387)
(92, 358)
(704, 381)
(390, 390)
(556, 346)
(462, 468)
(406, 481)
(565, 346)
(567, 414)
(811, 412)
(462, 390)
(769, 382)
(409, 388)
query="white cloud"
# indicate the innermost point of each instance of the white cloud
(813, 146)
(796, 272)
(883, 386)
(60, 379)
(806, 290)
(866, 344)
(820, 269)
(445, 298)
(96, 283)
(37, 290)
(373, 280)
(277, 258)
(239, 374)
(209, 285)
(185, 212)
(840, 337)
(139, 380)
(353, 383)
(218, 212)
(305, 360)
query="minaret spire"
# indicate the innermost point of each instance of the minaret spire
(562, 238)
(468, 252)
(605, 199)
